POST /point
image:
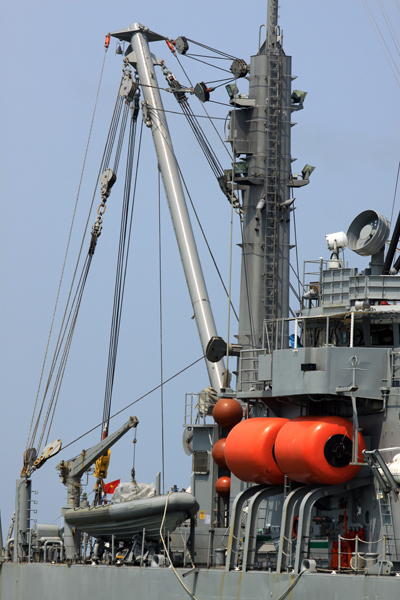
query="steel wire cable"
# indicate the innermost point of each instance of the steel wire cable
(64, 358)
(204, 108)
(208, 64)
(209, 154)
(116, 323)
(389, 26)
(56, 355)
(107, 152)
(68, 243)
(161, 330)
(245, 269)
(205, 239)
(220, 52)
(175, 112)
(119, 279)
(121, 137)
(375, 28)
(395, 191)
(157, 387)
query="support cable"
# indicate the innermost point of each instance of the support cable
(63, 362)
(227, 383)
(213, 50)
(389, 26)
(64, 324)
(245, 268)
(204, 108)
(297, 253)
(395, 191)
(161, 331)
(157, 387)
(122, 261)
(68, 243)
(208, 64)
(375, 28)
(205, 239)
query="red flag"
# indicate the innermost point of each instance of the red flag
(109, 488)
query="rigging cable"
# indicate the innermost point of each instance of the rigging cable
(227, 382)
(77, 298)
(209, 153)
(208, 64)
(204, 108)
(365, 4)
(161, 327)
(157, 387)
(395, 191)
(205, 238)
(213, 49)
(245, 268)
(389, 26)
(68, 243)
(297, 253)
(122, 261)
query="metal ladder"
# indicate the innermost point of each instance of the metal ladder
(387, 525)
(387, 487)
(272, 188)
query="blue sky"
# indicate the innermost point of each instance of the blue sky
(52, 54)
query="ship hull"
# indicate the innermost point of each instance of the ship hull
(62, 582)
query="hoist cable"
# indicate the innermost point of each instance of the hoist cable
(209, 64)
(212, 49)
(57, 351)
(118, 296)
(365, 4)
(389, 26)
(204, 144)
(175, 112)
(205, 239)
(121, 137)
(122, 263)
(204, 108)
(68, 243)
(157, 387)
(297, 254)
(245, 269)
(209, 56)
(161, 331)
(109, 142)
(395, 191)
(65, 354)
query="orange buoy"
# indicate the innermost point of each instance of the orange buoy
(223, 486)
(218, 453)
(228, 412)
(317, 450)
(249, 450)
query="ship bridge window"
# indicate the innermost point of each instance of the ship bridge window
(315, 335)
(381, 334)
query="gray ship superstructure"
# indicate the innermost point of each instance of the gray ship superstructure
(296, 473)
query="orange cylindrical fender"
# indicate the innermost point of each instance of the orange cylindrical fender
(249, 450)
(317, 450)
